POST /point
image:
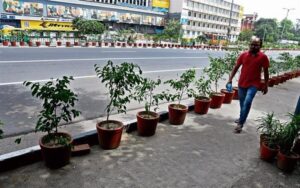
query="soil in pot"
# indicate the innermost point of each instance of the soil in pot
(147, 123)
(202, 105)
(109, 133)
(177, 113)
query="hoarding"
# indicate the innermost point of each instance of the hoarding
(161, 3)
(23, 8)
(46, 25)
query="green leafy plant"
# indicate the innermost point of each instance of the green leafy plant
(269, 126)
(58, 105)
(287, 61)
(120, 80)
(288, 134)
(144, 93)
(202, 90)
(230, 60)
(273, 69)
(215, 70)
(181, 86)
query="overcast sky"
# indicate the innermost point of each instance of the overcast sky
(271, 8)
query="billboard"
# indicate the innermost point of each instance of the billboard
(23, 8)
(46, 25)
(161, 5)
(64, 12)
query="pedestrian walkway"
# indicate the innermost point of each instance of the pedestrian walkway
(204, 152)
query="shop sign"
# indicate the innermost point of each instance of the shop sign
(46, 25)
(22, 8)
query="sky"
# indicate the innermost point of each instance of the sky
(271, 8)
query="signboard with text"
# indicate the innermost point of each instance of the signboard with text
(46, 25)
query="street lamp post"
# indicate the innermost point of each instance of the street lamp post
(230, 17)
(287, 14)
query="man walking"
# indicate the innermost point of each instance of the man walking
(253, 62)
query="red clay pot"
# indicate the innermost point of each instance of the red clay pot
(14, 43)
(30, 43)
(22, 43)
(112, 44)
(271, 82)
(5, 43)
(47, 43)
(56, 156)
(76, 43)
(287, 163)
(123, 45)
(58, 43)
(109, 138)
(267, 153)
(87, 44)
(217, 100)
(38, 43)
(202, 105)
(177, 113)
(146, 126)
(118, 44)
(68, 44)
(134, 45)
(100, 44)
(94, 43)
(228, 96)
(145, 45)
(236, 93)
(105, 44)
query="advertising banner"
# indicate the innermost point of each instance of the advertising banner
(108, 16)
(161, 3)
(149, 20)
(46, 25)
(23, 8)
(64, 12)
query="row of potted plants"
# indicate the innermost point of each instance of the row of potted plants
(280, 140)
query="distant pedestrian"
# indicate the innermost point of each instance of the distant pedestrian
(253, 63)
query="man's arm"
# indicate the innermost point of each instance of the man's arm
(233, 72)
(266, 77)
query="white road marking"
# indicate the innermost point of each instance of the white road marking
(118, 51)
(93, 76)
(97, 59)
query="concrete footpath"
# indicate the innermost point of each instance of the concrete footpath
(204, 152)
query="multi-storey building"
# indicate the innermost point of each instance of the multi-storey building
(207, 17)
(144, 16)
(248, 21)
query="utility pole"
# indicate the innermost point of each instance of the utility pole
(230, 17)
(287, 14)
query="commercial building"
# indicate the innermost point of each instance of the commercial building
(144, 16)
(214, 18)
(248, 21)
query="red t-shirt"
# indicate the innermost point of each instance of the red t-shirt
(252, 66)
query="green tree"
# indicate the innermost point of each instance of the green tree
(88, 27)
(287, 29)
(172, 30)
(246, 35)
(267, 29)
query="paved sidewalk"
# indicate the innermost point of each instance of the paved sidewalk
(204, 152)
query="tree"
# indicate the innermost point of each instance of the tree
(267, 29)
(172, 30)
(88, 27)
(246, 35)
(287, 29)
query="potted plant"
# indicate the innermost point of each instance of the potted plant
(58, 105)
(120, 80)
(269, 127)
(177, 112)
(286, 158)
(147, 120)
(215, 72)
(201, 95)
(230, 61)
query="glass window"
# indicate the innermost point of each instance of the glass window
(195, 14)
(190, 13)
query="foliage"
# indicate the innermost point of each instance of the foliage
(172, 30)
(1, 131)
(286, 29)
(274, 67)
(287, 61)
(288, 134)
(270, 127)
(215, 70)
(88, 27)
(267, 29)
(202, 39)
(297, 61)
(245, 35)
(202, 86)
(119, 79)
(144, 93)
(58, 104)
(181, 86)
(230, 60)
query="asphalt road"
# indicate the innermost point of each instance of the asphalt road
(18, 109)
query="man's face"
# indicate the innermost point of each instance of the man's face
(255, 46)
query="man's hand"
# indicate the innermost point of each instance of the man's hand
(264, 89)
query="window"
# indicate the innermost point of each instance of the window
(195, 14)
(194, 23)
(190, 13)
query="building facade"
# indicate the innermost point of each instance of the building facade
(248, 21)
(207, 17)
(143, 16)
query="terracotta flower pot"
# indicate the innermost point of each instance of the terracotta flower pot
(236, 93)
(58, 43)
(47, 43)
(38, 43)
(287, 163)
(202, 105)
(147, 123)
(271, 82)
(87, 44)
(123, 45)
(68, 44)
(13, 43)
(267, 153)
(177, 113)
(94, 43)
(228, 96)
(217, 100)
(5, 43)
(30, 43)
(100, 44)
(76, 43)
(56, 156)
(109, 138)
(22, 43)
